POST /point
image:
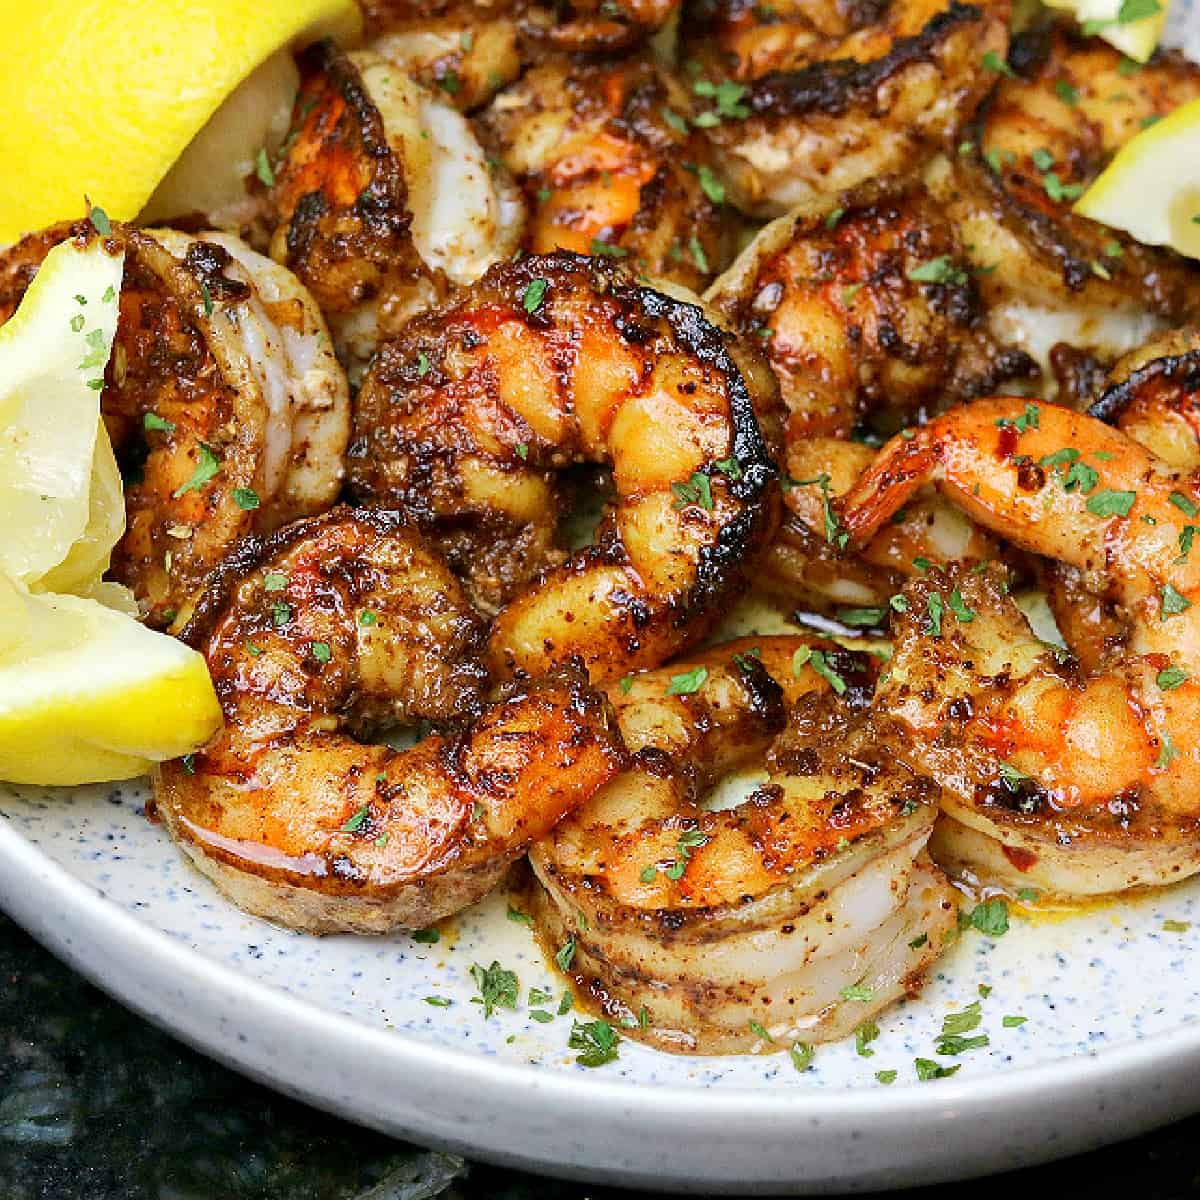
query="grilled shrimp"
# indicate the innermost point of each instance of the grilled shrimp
(384, 198)
(868, 316)
(1054, 777)
(344, 623)
(608, 165)
(223, 399)
(1153, 395)
(462, 49)
(741, 929)
(1046, 275)
(810, 99)
(463, 422)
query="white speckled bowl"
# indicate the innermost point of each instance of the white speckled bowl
(1111, 1045)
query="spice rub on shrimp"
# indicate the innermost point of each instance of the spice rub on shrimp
(1065, 106)
(800, 912)
(809, 99)
(867, 312)
(463, 50)
(383, 197)
(464, 421)
(341, 624)
(609, 166)
(224, 402)
(1073, 781)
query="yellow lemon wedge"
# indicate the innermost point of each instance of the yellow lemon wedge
(86, 693)
(1151, 189)
(61, 506)
(89, 695)
(1132, 26)
(100, 99)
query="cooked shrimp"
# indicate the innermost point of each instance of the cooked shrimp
(809, 565)
(742, 929)
(810, 99)
(384, 198)
(1153, 395)
(867, 313)
(340, 623)
(608, 164)
(867, 310)
(223, 399)
(1074, 782)
(1048, 276)
(596, 25)
(465, 419)
(463, 49)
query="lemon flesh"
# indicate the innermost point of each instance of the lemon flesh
(61, 506)
(1137, 39)
(99, 99)
(1151, 189)
(89, 695)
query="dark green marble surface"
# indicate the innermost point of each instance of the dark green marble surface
(97, 1105)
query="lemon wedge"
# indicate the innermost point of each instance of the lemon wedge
(1133, 26)
(1151, 189)
(99, 99)
(88, 695)
(61, 506)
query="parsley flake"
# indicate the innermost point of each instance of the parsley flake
(596, 1040)
(697, 490)
(207, 465)
(497, 987)
(687, 682)
(535, 293)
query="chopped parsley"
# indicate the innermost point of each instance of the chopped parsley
(1013, 1022)
(427, 937)
(1172, 602)
(274, 581)
(1184, 503)
(687, 682)
(207, 465)
(607, 249)
(523, 918)
(321, 651)
(802, 1055)
(938, 270)
(262, 168)
(727, 96)
(245, 498)
(161, 424)
(535, 293)
(566, 954)
(861, 617)
(1066, 93)
(989, 917)
(438, 1001)
(886, 1077)
(1111, 503)
(497, 987)
(993, 62)
(1029, 419)
(1169, 678)
(281, 613)
(1176, 926)
(697, 490)
(596, 1040)
(806, 656)
(936, 608)
(99, 219)
(864, 1035)
(760, 1031)
(355, 822)
(367, 617)
(927, 1069)
(713, 188)
(1166, 752)
(859, 992)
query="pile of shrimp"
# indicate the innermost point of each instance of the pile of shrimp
(558, 335)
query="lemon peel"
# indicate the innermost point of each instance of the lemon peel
(1151, 189)
(100, 99)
